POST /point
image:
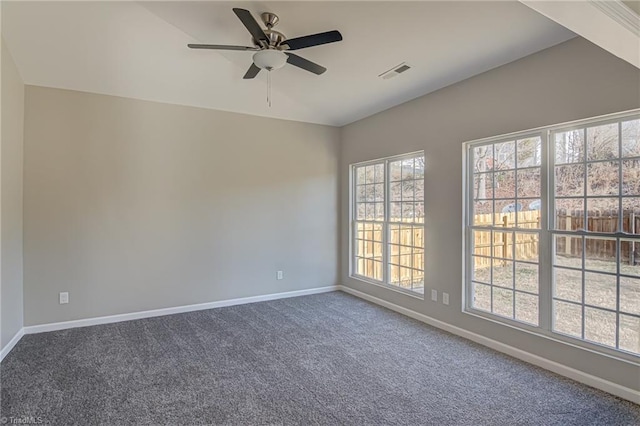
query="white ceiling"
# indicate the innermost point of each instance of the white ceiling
(138, 50)
(633, 5)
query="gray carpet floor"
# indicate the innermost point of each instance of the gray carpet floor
(328, 359)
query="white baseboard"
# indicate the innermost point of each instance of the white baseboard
(577, 375)
(7, 348)
(41, 328)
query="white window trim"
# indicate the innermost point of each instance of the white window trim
(385, 236)
(544, 329)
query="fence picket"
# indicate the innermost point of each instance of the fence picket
(525, 245)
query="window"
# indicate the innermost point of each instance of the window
(506, 227)
(388, 222)
(553, 231)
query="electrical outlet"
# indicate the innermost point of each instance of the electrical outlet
(434, 295)
(445, 298)
(280, 275)
(64, 298)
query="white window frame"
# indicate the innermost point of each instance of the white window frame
(547, 233)
(385, 224)
(470, 227)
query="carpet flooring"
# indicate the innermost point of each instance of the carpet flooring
(327, 359)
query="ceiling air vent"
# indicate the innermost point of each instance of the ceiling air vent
(398, 69)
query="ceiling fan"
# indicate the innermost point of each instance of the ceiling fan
(272, 47)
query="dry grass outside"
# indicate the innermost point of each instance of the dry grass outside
(510, 301)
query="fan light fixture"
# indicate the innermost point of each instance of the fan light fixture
(269, 59)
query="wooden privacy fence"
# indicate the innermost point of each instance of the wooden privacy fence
(406, 254)
(407, 242)
(599, 221)
(507, 244)
(524, 246)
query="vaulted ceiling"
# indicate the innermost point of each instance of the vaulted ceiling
(138, 50)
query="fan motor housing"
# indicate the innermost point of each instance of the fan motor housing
(275, 38)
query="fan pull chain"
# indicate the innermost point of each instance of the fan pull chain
(269, 88)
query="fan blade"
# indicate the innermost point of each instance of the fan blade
(250, 23)
(251, 72)
(220, 47)
(313, 40)
(305, 64)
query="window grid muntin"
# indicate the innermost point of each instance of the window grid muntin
(356, 244)
(386, 222)
(413, 201)
(415, 249)
(400, 224)
(618, 235)
(371, 180)
(547, 247)
(510, 229)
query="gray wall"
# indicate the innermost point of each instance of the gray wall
(132, 205)
(11, 200)
(570, 81)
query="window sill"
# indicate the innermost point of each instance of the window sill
(409, 293)
(558, 338)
